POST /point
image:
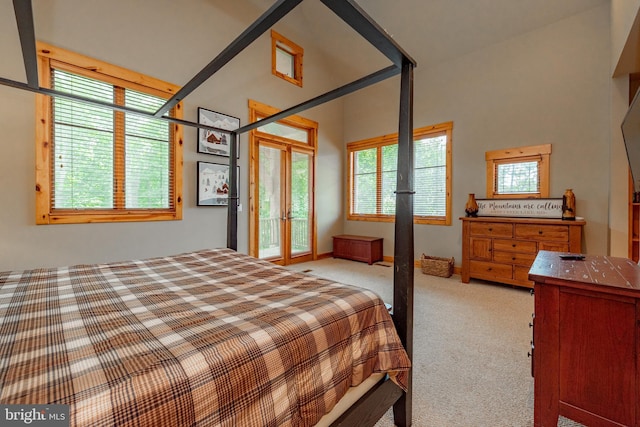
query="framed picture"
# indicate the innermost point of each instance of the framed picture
(522, 208)
(217, 143)
(213, 184)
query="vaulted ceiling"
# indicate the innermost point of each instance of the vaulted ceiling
(431, 31)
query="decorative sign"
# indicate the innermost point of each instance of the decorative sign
(522, 208)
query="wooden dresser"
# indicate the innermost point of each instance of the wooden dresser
(502, 249)
(586, 361)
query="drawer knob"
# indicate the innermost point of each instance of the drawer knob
(514, 245)
(513, 258)
(539, 231)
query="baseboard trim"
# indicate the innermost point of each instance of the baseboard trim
(416, 263)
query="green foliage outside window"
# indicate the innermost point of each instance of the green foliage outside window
(85, 148)
(430, 178)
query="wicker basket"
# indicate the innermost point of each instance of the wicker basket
(436, 266)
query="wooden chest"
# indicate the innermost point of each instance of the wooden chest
(503, 249)
(358, 248)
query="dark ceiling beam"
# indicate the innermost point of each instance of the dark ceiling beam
(360, 21)
(354, 86)
(150, 115)
(24, 19)
(262, 24)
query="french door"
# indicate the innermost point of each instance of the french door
(284, 229)
(282, 218)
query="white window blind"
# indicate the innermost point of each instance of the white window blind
(83, 144)
(389, 178)
(147, 148)
(375, 180)
(365, 181)
(430, 176)
(106, 159)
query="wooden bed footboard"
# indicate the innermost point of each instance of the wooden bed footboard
(373, 405)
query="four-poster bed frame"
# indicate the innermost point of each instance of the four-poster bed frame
(385, 394)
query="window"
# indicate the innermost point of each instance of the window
(372, 168)
(95, 164)
(286, 59)
(521, 172)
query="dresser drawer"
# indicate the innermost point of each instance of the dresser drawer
(491, 229)
(554, 246)
(490, 270)
(514, 258)
(557, 233)
(523, 246)
(521, 273)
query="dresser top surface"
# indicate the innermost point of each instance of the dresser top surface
(548, 221)
(598, 270)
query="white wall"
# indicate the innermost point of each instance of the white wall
(625, 43)
(171, 41)
(551, 85)
(623, 18)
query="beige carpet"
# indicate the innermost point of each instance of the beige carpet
(470, 346)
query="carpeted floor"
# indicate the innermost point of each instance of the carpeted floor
(470, 346)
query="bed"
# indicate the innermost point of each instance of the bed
(390, 387)
(210, 337)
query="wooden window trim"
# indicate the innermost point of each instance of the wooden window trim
(542, 153)
(50, 56)
(296, 52)
(445, 128)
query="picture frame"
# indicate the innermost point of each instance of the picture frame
(216, 143)
(213, 184)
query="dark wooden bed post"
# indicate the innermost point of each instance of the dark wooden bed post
(403, 249)
(232, 211)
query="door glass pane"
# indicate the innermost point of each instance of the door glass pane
(286, 131)
(270, 244)
(300, 206)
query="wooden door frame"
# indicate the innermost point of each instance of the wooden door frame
(258, 110)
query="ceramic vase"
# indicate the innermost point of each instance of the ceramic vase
(569, 205)
(471, 208)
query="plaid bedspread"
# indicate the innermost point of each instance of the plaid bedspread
(211, 337)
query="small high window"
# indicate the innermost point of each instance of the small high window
(286, 59)
(521, 172)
